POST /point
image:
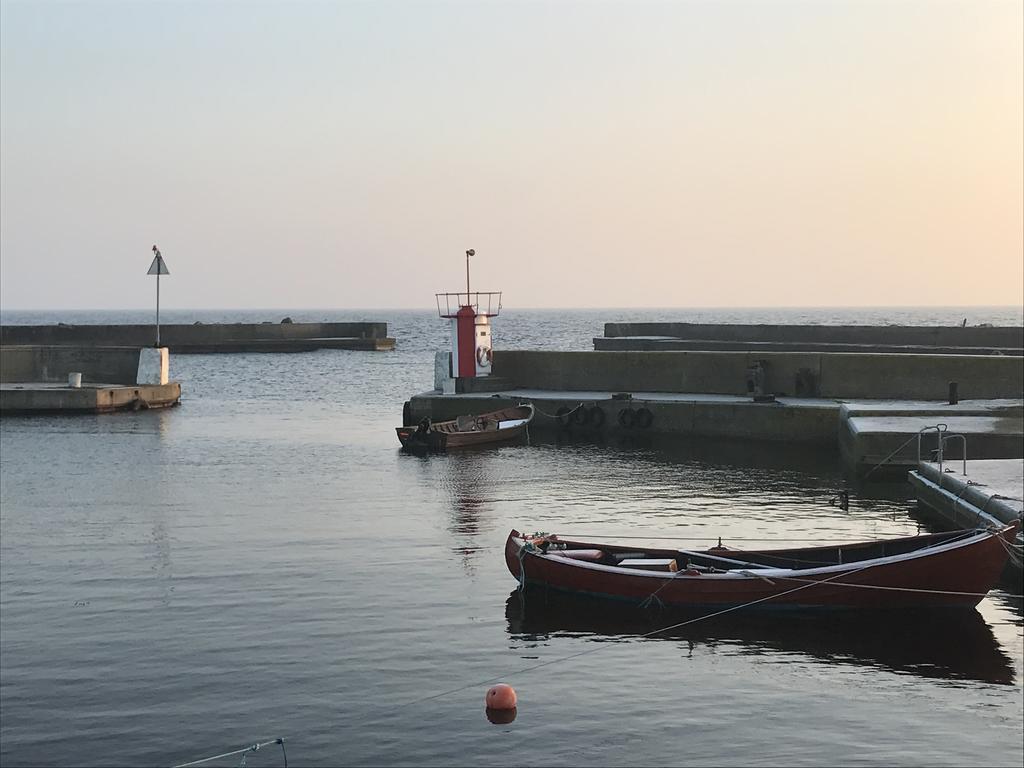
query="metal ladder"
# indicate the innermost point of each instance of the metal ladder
(943, 438)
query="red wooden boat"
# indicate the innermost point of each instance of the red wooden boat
(492, 427)
(952, 569)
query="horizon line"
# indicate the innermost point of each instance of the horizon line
(1018, 307)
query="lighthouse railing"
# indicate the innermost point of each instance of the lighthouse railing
(486, 303)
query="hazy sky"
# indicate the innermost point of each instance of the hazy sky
(611, 154)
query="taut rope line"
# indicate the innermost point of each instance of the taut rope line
(243, 751)
(602, 647)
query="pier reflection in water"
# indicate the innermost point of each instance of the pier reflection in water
(953, 644)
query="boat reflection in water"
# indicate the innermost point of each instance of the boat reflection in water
(953, 644)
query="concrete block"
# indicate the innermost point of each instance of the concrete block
(664, 344)
(995, 486)
(807, 422)
(921, 377)
(805, 374)
(154, 366)
(887, 335)
(202, 337)
(443, 371)
(867, 441)
(41, 397)
(108, 365)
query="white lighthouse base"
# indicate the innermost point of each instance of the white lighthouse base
(443, 381)
(153, 366)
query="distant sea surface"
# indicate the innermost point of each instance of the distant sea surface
(263, 561)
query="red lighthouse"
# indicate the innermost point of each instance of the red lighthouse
(471, 327)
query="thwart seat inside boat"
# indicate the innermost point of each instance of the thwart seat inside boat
(470, 423)
(465, 423)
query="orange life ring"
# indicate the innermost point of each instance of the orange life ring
(483, 356)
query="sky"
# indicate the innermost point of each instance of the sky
(593, 154)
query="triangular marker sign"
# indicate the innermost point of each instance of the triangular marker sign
(158, 267)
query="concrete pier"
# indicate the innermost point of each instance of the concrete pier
(42, 397)
(802, 374)
(36, 380)
(990, 490)
(209, 337)
(945, 340)
(874, 432)
(866, 405)
(790, 420)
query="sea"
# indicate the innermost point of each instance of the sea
(263, 562)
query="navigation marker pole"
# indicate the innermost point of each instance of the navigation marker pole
(158, 267)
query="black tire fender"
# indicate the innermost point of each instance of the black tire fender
(596, 416)
(627, 418)
(580, 416)
(644, 418)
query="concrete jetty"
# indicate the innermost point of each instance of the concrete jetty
(35, 379)
(944, 340)
(864, 405)
(791, 420)
(968, 494)
(209, 337)
(837, 376)
(881, 437)
(964, 494)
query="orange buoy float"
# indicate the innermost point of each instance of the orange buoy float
(501, 696)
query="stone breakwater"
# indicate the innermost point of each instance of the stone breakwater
(209, 337)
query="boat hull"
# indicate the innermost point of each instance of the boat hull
(448, 435)
(957, 576)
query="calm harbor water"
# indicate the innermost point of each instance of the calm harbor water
(262, 561)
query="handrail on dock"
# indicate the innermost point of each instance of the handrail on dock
(943, 438)
(964, 440)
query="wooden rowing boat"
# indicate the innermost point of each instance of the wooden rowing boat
(952, 569)
(464, 431)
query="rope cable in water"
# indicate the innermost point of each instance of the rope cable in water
(244, 752)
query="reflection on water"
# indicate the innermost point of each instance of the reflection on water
(500, 716)
(675, 449)
(467, 487)
(952, 645)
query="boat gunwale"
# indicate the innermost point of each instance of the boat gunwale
(450, 426)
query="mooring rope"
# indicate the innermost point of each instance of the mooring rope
(602, 646)
(556, 416)
(669, 628)
(894, 589)
(244, 752)
(1014, 552)
(916, 436)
